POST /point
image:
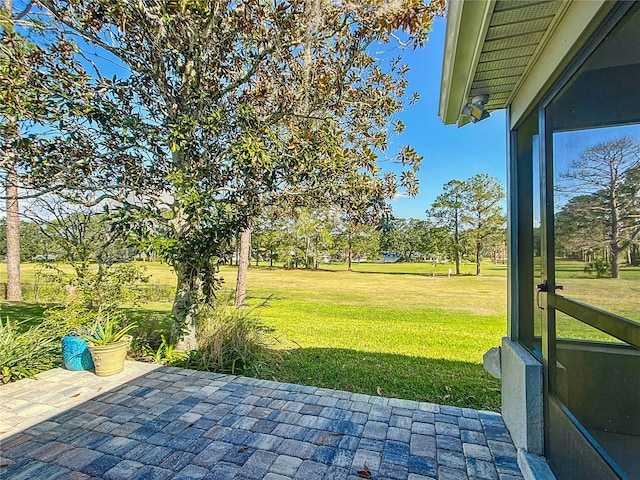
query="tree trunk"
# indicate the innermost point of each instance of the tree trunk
(478, 258)
(456, 239)
(350, 246)
(14, 290)
(615, 261)
(243, 267)
(183, 327)
(615, 229)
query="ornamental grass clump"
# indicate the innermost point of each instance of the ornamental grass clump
(230, 340)
(108, 329)
(26, 353)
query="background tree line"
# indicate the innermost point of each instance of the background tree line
(598, 221)
(300, 237)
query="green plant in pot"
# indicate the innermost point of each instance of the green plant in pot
(92, 311)
(108, 344)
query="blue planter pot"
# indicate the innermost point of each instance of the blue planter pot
(75, 354)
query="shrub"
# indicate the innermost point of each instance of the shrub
(23, 354)
(165, 353)
(95, 294)
(601, 267)
(230, 340)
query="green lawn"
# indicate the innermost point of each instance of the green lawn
(414, 336)
(405, 329)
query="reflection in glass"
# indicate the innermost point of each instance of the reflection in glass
(593, 125)
(597, 217)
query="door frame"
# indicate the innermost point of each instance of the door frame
(567, 444)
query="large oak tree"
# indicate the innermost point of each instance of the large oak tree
(223, 104)
(608, 173)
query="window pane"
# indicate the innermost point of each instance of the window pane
(597, 213)
(596, 161)
(595, 124)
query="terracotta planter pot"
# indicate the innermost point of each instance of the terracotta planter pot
(109, 359)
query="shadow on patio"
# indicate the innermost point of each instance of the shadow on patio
(163, 422)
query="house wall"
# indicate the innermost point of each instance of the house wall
(522, 396)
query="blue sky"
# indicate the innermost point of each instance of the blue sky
(449, 152)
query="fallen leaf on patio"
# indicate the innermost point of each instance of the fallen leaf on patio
(379, 390)
(243, 449)
(365, 472)
(336, 434)
(191, 424)
(75, 395)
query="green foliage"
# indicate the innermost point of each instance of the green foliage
(304, 237)
(96, 294)
(600, 266)
(25, 353)
(473, 213)
(230, 340)
(446, 211)
(75, 232)
(72, 318)
(33, 243)
(165, 353)
(108, 329)
(413, 238)
(109, 287)
(229, 107)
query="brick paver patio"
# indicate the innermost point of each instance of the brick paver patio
(152, 422)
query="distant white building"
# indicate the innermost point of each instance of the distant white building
(390, 257)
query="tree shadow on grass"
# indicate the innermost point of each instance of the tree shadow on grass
(28, 312)
(415, 274)
(151, 324)
(449, 382)
(161, 318)
(32, 314)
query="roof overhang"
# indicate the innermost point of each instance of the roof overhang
(490, 46)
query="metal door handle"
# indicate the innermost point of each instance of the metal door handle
(544, 287)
